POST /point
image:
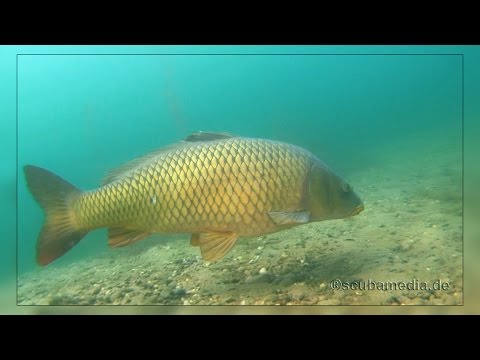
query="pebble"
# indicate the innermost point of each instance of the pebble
(166, 293)
(271, 298)
(58, 300)
(263, 270)
(179, 292)
(117, 295)
(148, 285)
(96, 290)
(417, 301)
(86, 302)
(254, 259)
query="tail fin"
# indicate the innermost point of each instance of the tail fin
(55, 195)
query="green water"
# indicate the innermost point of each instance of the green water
(80, 115)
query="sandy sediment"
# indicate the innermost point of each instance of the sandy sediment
(410, 233)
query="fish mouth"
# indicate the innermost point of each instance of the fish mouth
(358, 210)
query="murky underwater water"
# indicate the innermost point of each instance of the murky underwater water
(395, 135)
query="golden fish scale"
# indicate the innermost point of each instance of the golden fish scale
(227, 185)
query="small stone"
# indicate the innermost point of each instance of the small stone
(117, 295)
(56, 300)
(148, 286)
(179, 292)
(271, 298)
(166, 293)
(255, 258)
(417, 301)
(84, 302)
(263, 270)
(323, 286)
(96, 290)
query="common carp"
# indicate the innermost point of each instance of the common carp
(215, 186)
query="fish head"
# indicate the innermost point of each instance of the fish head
(329, 196)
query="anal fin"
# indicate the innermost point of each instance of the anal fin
(214, 244)
(119, 236)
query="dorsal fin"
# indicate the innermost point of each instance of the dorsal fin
(207, 136)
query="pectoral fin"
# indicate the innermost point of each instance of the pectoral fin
(290, 217)
(119, 236)
(215, 244)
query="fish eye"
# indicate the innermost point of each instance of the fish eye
(346, 188)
